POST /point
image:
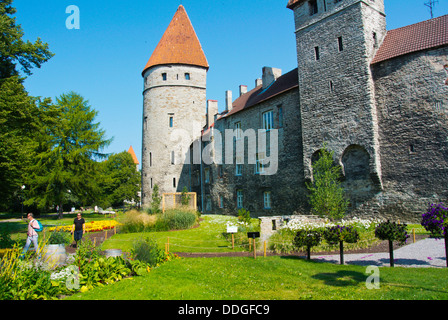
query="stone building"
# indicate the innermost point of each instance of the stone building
(377, 98)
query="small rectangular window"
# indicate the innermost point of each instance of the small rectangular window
(267, 199)
(171, 121)
(268, 120)
(164, 76)
(239, 170)
(221, 202)
(239, 199)
(173, 158)
(174, 182)
(207, 175)
(238, 130)
(187, 76)
(316, 53)
(340, 44)
(259, 166)
(313, 7)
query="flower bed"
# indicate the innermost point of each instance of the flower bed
(92, 226)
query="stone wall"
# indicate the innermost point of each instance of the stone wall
(286, 187)
(412, 102)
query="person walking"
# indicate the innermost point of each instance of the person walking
(32, 235)
(78, 228)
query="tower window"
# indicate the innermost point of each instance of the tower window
(317, 53)
(187, 76)
(174, 182)
(313, 7)
(171, 123)
(173, 158)
(375, 40)
(340, 44)
(164, 76)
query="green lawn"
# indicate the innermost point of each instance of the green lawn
(282, 278)
(207, 238)
(272, 278)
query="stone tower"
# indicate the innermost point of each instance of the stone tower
(336, 43)
(174, 107)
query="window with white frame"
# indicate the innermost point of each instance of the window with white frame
(238, 130)
(239, 170)
(267, 199)
(239, 198)
(268, 120)
(259, 165)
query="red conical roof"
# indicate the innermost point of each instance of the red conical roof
(179, 44)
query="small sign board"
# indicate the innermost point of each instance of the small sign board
(232, 229)
(253, 235)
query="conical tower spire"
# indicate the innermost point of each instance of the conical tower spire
(179, 44)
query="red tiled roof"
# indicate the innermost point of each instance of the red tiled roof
(179, 44)
(416, 37)
(284, 83)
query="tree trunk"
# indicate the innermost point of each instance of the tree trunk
(391, 253)
(61, 212)
(308, 253)
(341, 251)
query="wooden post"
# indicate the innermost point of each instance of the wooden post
(174, 201)
(413, 233)
(105, 237)
(233, 242)
(264, 249)
(250, 244)
(168, 243)
(163, 203)
(94, 242)
(195, 202)
(255, 250)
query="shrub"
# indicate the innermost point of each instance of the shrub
(175, 219)
(340, 234)
(60, 237)
(327, 196)
(392, 231)
(146, 250)
(135, 221)
(244, 216)
(307, 239)
(5, 239)
(435, 220)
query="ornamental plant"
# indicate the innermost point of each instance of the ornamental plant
(435, 220)
(392, 231)
(307, 239)
(340, 234)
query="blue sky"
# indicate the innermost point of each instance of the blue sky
(103, 60)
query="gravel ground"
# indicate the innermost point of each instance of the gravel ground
(424, 253)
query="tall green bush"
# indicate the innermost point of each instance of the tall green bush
(327, 196)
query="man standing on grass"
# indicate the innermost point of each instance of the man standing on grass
(32, 235)
(79, 228)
